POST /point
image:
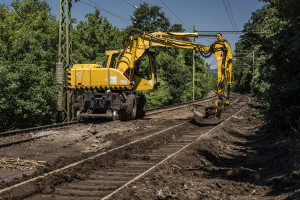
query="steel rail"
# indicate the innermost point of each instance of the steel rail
(86, 159)
(54, 126)
(169, 157)
(181, 104)
(33, 129)
(177, 106)
(124, 146)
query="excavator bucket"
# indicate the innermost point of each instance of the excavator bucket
(198, 115)
(202, 117)
(196, 111)
(214, 109)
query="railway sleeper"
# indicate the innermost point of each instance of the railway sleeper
(79, 193)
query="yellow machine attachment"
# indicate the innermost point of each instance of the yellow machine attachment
(224, 57)
(133, 69)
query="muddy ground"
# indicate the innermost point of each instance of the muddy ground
(243, 159)
(78, 142)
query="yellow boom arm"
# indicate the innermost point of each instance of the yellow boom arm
(126, 71)
(120, 73)
(137, 43)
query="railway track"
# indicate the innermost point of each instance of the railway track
(24, 135)
(105, 174)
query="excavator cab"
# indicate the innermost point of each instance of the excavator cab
(145, 76)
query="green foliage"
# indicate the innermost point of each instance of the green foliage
(158, 97)
(238, 116)
(28, 36)
(93, 37)
(28, 53)
(150, 18)
(273, 33)
(257, 113)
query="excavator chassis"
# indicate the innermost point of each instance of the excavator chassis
(123, 105)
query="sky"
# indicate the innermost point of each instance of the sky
(206, 15)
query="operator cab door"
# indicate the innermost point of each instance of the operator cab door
(145, 77)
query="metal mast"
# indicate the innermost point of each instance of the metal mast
(64, 58)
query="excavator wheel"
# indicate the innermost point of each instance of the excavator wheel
(129, 112)
(122, 115)
(141, 107)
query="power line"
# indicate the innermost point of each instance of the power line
(142, 1)
(130, 4)
(232, 14)
(228, 15)
(105, 10)
(175, 15)
(212, 63)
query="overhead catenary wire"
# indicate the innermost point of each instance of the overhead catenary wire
(130, 4)
(232, 15)
(97, 6)
(213, 62)
(142, 1)
(229, 16)
(176, 15)
(105, 10)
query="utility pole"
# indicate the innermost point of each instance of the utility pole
(64, 58)
(253, 61)
(194, 67)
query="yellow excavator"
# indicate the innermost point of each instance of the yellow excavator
(117, 87)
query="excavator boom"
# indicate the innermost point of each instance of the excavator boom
(126, 72)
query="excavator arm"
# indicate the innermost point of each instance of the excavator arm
(126, 73)
(137, 43)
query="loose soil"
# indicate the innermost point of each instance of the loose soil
(79, 142)
(242, 159)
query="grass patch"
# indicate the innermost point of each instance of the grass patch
(257, 113)
(238, 116)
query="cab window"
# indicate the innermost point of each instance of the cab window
(113, 58)
(143, 67)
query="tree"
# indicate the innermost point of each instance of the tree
(274, 32)
(150, 18)
(93, 37)
(28, 39)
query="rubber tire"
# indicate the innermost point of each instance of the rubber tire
(141, 107)
(129, 112)
(122, 115)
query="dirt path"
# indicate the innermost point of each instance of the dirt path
(242, 159)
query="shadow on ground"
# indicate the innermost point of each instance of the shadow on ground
(263, 159)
